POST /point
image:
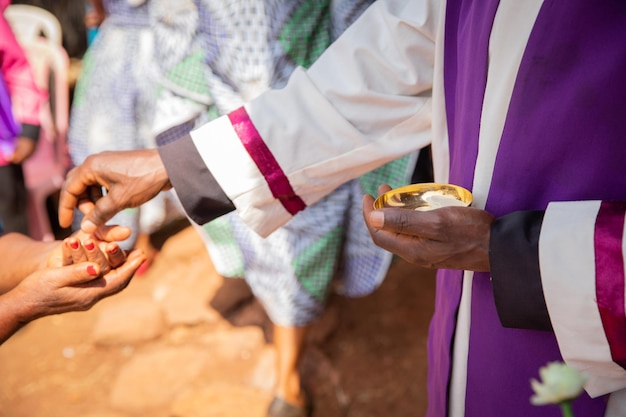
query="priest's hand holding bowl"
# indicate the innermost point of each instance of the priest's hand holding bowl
(440, 236)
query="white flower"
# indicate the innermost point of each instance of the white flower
(559, 383)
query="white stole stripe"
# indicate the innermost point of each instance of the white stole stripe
(512, 26)
(458, 384)
(567, 264)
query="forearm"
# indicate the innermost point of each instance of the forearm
(13, 314)
(21, 257)
(273, 158)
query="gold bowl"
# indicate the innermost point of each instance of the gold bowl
(424, 197)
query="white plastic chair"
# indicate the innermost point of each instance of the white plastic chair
(45, 170)
(30, 22)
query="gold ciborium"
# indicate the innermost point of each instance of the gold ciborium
(425, 196)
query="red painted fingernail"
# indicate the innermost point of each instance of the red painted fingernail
(91, 270)
(74, 244)
(89, 246)
(113, 250)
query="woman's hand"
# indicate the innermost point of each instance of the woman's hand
(74, 287)
(101, 247)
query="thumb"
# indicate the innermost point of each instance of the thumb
(113, 233)
(103, 210)
(75, 274)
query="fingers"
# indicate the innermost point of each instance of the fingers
(85, 285)
(425, 224)
(76, 287)
(103, 210)
(80, 190)
(116, 255)
(107, 255)
(86, 202)
(72, 191)
(383, 188)
(113, 233)
(73, 275)
(130, 178)
(413, 249)
(117, 279)
(410, 222)
(94, 254)
(73, 251)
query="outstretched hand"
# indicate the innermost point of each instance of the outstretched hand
(72, 276)
(100, 247)
(130, 178)
(95, 267)
(74, 287)
(448, 237)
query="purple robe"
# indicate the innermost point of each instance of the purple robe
(564, 130)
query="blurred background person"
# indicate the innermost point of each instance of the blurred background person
(215, 56)
(113, 105)
(20, 102)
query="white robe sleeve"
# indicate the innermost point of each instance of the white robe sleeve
(581, 256)
(365, 102)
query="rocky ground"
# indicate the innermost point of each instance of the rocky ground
(175, 344)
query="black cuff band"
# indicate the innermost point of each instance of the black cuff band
(199, 193)
(514, 258)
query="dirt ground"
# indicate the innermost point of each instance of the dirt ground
(162, 348)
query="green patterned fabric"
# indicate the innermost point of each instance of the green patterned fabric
(189, 74)
(251, 47)
(307, 33)
(230, 263)
(314, 267)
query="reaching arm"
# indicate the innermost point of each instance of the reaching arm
(290, 147)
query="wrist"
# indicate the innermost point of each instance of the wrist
(14, 313)
(159, 173)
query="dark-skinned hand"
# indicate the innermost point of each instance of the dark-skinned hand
(130, 178)
(447, 238)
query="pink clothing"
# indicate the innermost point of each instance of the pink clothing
(26, 97)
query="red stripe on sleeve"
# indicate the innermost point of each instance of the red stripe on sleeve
(609, 230)
(265, 161)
